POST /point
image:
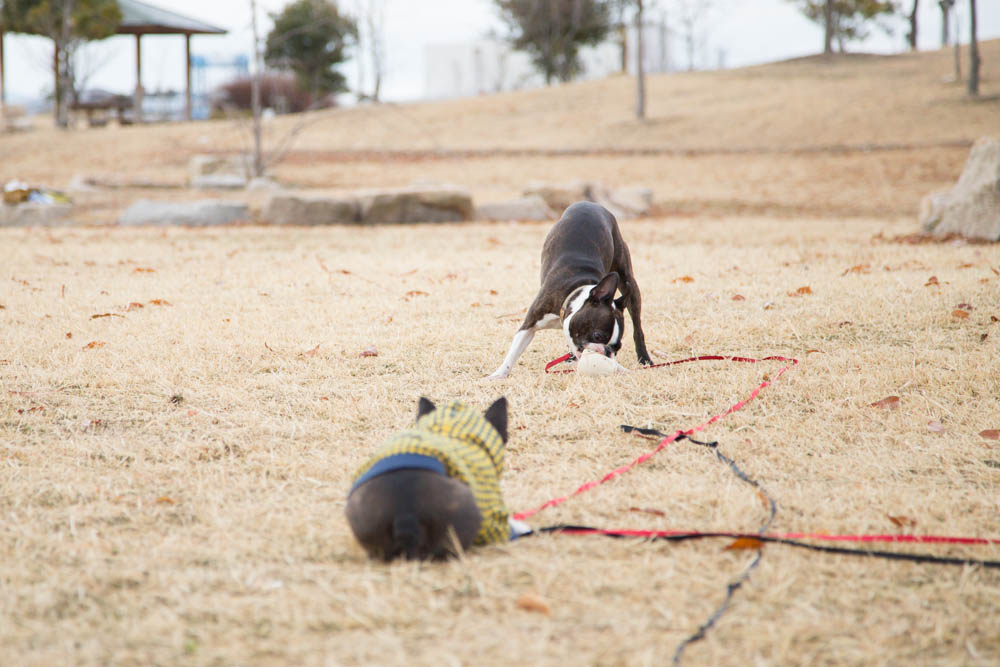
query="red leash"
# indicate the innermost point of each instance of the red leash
(919, 539)
(668, 534)
(670, 438)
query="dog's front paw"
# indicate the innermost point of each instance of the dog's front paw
(645, 360)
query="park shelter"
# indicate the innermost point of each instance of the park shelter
(140, 18)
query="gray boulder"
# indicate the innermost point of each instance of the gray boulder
(204, 212)
(222, 172)
(624, 203)
(531, 209)
(416, 204)
(28, 213)
(972, 207)
(560, 195)
(311, 209)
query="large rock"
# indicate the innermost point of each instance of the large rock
(972, 207)
(624, 203)
(311, 209)
(225, 172)
(416, 204)
(531, 208)
(29, 213)
(560, 195)
(203, 212)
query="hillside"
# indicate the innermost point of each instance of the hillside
(772, 138)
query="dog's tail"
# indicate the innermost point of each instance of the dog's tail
(407, 536)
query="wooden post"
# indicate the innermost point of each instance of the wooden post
(187, 69)
(137, 103)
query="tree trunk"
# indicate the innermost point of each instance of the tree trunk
(640, 72)
(911, 36)
(945, 7)
(258, 157)
(828, 27)
(973, 52)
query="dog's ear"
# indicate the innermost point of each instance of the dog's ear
(424, 407)
(496, 415)
(605, 290)
(620, 303)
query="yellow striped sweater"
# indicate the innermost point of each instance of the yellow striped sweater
(470, 449)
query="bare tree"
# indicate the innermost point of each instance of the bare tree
(640, 72)
(371, 27)
(911, 35)
(974, 60)
(690, 16)
(945, 6)
(258, 62)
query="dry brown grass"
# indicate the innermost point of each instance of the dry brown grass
(210, 531)
(175, 494)
(853, 101)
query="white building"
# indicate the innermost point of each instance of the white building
(462, 69)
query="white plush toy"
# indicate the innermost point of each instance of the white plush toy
(595, 363)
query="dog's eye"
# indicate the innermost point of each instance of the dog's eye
(598, 337)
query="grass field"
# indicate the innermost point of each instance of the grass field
(182, 409)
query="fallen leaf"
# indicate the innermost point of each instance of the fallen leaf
(370, 351)
(192, 413)
(858, 268)
(739, 297)
(965, 306)
(166, 500)
(967, 265)
(494, 292)
(94, 317)
(69, 334)
(802, 291)
(312, 352)
(86, 424)
(995, 271)
(902, 521)
(683, 279)
(534, 602)
(960, 314)
(808, 352)
(134, 305)
(268, 346)
(994, 318)
(845, 323)
(768, 305)
(990, 434)
(983, 337)
(94, 344)
(741, 543)
(933, 280)
(414, 292)
(324, 398)
(573, 405)
(935, 426)
(143, 269)
(890, 402)
(764, 500)
(37, 408)
(159, 302)
(3, 307)
(475, 304)
(646, 510)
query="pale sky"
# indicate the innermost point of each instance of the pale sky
(745, 32)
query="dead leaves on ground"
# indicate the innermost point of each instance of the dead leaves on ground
(802, 291)
(990, 434)
(745, 543)
(889, 403)
(535, 603)
(901, 521)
